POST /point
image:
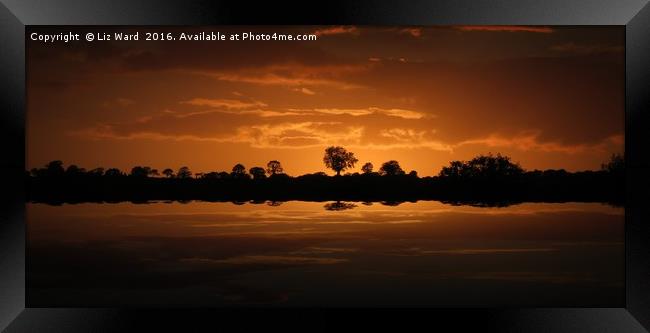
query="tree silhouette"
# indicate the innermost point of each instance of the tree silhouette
(211, 175)
(140, 171)
(616, 164)
(258, 172)
(274, 167)
(391, 168)
(96, 172)
(54, 168)
(454, 170)
(483, 166)
(367, 168)
(339, 159)
(238, 170)
(184, 173)
(169, 173)
(485, 179)
(74, 170)
(113, 172)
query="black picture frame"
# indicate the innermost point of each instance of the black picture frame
(15, 15)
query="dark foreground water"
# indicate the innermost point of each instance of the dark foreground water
(325, 254)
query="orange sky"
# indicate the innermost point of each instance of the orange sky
(549, 97)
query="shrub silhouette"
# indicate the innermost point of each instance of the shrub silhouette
(142, 172)
(257, 172)
(113, 172)
(74, 171)
(616, 164)
(238, 169)
(184, 173)
(54, 169)
(482, 166)
(239, 172)
(391, 168)
(96, 172)
(169, 173)
(274, 167)
(367, 168)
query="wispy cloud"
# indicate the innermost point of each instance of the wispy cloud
(324, 250)
(279, 79)
(339, 30)
(529, 141)
(225, 103)
(288, 135)
(266, 260)
(294, 75)
(257, 112)
(414, 32)
(416, 251)
(305, 91)
(119, 102)
(400, 113)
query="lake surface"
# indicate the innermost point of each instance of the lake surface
(296, 253)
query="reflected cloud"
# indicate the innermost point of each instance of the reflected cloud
(416, 251)
(266, 260)
(535, 277)
(324, 250)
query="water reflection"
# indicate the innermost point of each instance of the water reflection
(325, 254)
(339, 205)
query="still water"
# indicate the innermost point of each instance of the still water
(325, 254)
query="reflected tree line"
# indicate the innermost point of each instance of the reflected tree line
(484, 180)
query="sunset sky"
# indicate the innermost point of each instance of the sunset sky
(549, 97)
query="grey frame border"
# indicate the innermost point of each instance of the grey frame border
(16, 14)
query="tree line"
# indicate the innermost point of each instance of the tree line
(485, 177)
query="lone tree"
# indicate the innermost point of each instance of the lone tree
(274, 167)
(169, 173)
(367, 168)
(184, 173)
(257, 172)
(339, 159)
(391, 168)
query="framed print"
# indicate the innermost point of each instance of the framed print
(174, 165)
